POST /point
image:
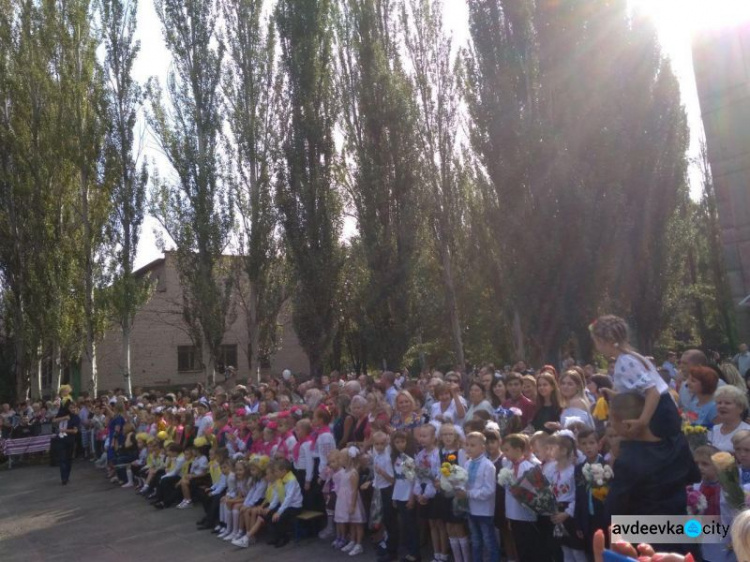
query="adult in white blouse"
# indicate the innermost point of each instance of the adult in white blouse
(731, 403)
(450, 405)
(577, 408)
(477, 401)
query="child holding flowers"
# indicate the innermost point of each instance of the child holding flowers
(427, 471)
(526, 533)
(403, 495)
(560, 472)
(589, 510)
(452, 525)
(480, 491)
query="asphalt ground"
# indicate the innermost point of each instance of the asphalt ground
(92, 519)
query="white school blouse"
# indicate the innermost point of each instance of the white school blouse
(383, 462)
(401, 487)
(305, 460)
(563, 484)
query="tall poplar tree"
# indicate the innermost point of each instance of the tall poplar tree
(196, 211)
(125, 99)
(429, 48)
(80, 80)
(252, 90)
(380, 119)
(307, 184)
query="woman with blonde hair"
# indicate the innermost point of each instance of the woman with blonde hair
(732, 376)
(577, 407)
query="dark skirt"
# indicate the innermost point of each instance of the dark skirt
(443, 509)
(427, 511)
(571, 538)
(666, 422)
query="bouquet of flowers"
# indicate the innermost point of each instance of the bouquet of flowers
(506, 477)
(409, 469)
(729, 479)
(696, 435)
(696, 502)
(597, 477)
(534, 491)
(452, 477)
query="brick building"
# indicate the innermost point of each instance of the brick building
(162, 353)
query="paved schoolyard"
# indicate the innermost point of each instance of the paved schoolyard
(91, 519)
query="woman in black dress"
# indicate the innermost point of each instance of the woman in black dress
(548, 402)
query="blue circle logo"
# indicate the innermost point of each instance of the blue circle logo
(693, 528)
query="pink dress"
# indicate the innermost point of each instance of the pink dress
(342, 480)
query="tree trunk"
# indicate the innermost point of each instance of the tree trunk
(37, 387)
(22, 374)
(208, 364)
(56, 369)
(126, 374)
(519, 346)
(253, 332)
(450, 297)
(93, 382)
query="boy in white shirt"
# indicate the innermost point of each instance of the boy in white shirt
(480, 490)
(523, 521)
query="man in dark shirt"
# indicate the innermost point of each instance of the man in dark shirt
(70, 425)
(516, 399)
(651, 475)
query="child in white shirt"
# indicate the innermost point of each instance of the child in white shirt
(480, 490)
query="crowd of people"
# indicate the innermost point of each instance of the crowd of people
(440, 456)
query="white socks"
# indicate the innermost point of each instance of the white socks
(456, 548)
(236, 520)
(463, 542)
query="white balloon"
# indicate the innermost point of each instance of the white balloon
(287, 374)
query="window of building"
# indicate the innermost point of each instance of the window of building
(227, 357)
(188, 358)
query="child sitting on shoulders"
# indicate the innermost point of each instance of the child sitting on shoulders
(650, 474)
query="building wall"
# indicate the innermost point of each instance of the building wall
(158, 330)
(721, 59)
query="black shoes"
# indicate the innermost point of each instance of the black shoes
(282, 542)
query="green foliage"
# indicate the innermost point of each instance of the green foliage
(197, 212)
(306, 191)
(126, 97)
(252, 88)
(577, 207)
(380, 119)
